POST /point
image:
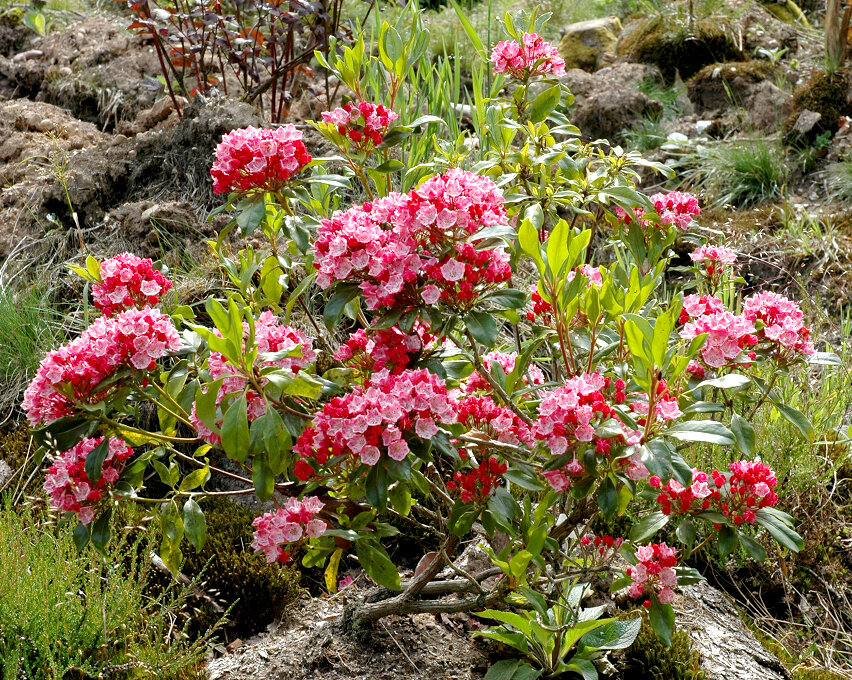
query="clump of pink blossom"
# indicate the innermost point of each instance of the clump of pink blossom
(728, 335)
(277, 531)
(779, 321)
(253, 159)
(72, 374)
(68, 485)
(376, 419)
(496, 422)
(408, 250)
(532, 56)
(674, 208)
(128, 281)
(270, 337)
(654, 573)
(714, 258)
(363, 124)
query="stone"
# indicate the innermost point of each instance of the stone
(804, 128)
(728, 649)
(768, 105)
(584, 44)
(719, 86)
(5, 473)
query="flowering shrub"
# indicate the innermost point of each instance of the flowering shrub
(361, 126)
(527, 425)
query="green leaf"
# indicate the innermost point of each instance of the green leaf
(780, 529)
(797, 418)
(470, 31)
(702, 431)
(727, 540)
(662, 620)
(685, 532)
(508, 298)
(194, 524)
(482, 326)
(726, 382)
(263, 478)
(648, 526)
(235, 430)
(618, 634)
(95, 461)
(81, 536)
(545, 103)
(252, 212)
(400, 498)
(389, 166)
(333, 309)
(101, 530)
(521, 623)
(512, 669)
(377, 564)
(607, 497)
(376, 486)
(743, 434)
(753, 548)
(195, 479)
(462, 517)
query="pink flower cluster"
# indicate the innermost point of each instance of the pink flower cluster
(506, 360)
(477, 485)
(390, 348)
(128, 281)
(364, 124)
(738, 495)
(531, 57)
(252, 159)
(715, 260)
(497, 422)
(375, 419)
(654, 573)
(136, 338)
(287, 525)
(269, 337)
(68, 485)
(728, 335)
(665, 405)
(673, 208)
(406, 250)
(779, 320)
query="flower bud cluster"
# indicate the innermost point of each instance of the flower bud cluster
(134, 338)
(68, 485)
(377, 349)
(363, 124)
(407, 250)
(128, 281)
(252, 159)
(375, 419)
(654, 573)
(600, 549)
(738, 495)
(532, 56)
(287, 525)
(498, 422)
(477, 485)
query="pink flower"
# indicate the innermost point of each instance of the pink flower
(287, 525)
(363, 125)
(253, 159)
(69, 487)
(780, 322)
(376, 349)
(128, 281)
(135, 338)
(676, 208)
(533, 56)
(506, 360)
(654, 573)
(375, 419)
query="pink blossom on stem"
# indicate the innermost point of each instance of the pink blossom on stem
(654, 573)
(128, 281)
(531, 57)
(288, 525)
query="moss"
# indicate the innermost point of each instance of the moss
(825, 94)
(236, 574)
(649, 659)
(673, 47)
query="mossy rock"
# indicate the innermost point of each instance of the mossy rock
(584, 43)
(237, 574)
(720, 86)
(675, 46)
(649, 659)
(825, 94)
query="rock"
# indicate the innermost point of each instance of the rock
(729, 650)
(719, 86)
(583, 44)
(804, 128)
(607, 101)
(768, 105)
(6, 473)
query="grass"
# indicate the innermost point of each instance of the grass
(30, 325)
(837, 178)
(648, 134)
(66, 614)
(740, 173)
